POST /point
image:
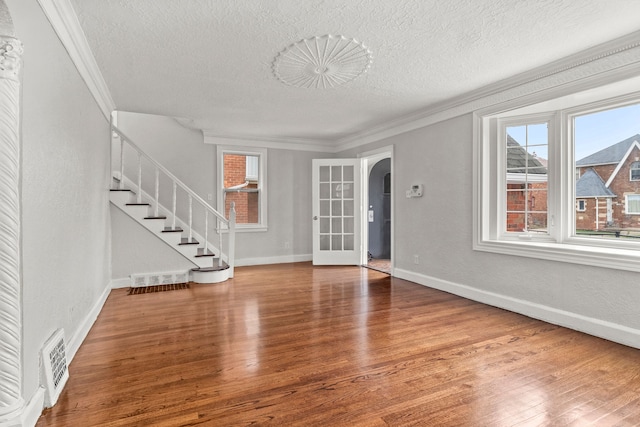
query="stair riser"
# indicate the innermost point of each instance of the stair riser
(210, 276)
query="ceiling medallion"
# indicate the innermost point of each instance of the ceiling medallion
(322, 62)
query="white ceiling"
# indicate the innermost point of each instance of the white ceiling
(210, 61)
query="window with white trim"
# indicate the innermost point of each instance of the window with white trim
(634, 171)
(242, 180)
(632, 202)
(537, 165)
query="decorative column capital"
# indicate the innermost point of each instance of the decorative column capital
(10, 57)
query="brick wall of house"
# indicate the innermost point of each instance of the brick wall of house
(620, 186)
(537, 206)
(586, 220)
(247, 204)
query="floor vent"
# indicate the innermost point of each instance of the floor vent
(54, 367)
(154, 279)
(157, 288)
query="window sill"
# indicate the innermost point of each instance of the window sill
(607, 257)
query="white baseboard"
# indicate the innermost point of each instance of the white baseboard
(284, 259)
(85, 326)
(600, 328)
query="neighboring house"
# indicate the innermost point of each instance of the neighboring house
(526, 189)
(608, 188)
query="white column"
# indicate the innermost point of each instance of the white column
(11, 401)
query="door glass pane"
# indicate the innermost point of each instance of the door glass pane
(348, 225)
(348, 173)
(336, 208)
(324, 174)
(325, 242)
(324, 225)
(348, 207)
(325, 208)
(325, 191)
(336, 242)
(347, 191)
(336, 225)
(336, 173)
(348, 242)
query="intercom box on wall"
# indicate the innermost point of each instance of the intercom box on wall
(415, 191)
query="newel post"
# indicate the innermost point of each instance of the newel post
(11, 401)
(232, 238)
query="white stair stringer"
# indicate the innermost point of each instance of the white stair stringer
(207, 269)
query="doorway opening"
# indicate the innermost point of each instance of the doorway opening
(377, 199)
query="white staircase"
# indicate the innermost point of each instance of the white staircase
(211, 265)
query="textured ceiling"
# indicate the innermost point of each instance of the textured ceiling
(210, 61)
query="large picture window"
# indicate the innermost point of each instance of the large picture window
(560, 180)
(242, 180)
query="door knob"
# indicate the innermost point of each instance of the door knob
(315, 217)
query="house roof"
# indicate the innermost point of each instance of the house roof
(520, 161)
(591, 185)
(610, 155)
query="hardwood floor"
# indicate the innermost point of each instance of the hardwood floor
(293, 345)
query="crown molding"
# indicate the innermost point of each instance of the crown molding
(298, 144)
(65, 23)
(616, 59)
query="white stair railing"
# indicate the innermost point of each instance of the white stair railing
(220, 224)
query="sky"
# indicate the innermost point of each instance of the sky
(596, 131)
(593, 132)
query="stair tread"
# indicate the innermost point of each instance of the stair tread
(172, 230)
(202, 255)
(208, 269)
(155, 217)
(119, 189)
(138, 204)
(185, 241)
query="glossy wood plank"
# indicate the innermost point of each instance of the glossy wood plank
(294, 345)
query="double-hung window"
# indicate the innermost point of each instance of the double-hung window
(242, 181)
(560, 179)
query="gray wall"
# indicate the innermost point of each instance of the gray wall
(438, 228)
(65, 213)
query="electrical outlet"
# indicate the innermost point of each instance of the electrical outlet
(416, 259)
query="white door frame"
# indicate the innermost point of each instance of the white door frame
(370, 158)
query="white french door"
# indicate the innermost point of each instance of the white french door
(336, 212)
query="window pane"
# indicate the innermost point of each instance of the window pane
(527, 151)
(241, 187)
(336, 225)
(633, 204)
(607, 169)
